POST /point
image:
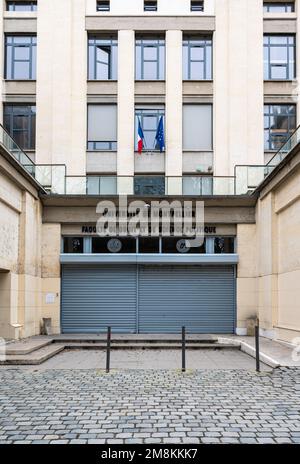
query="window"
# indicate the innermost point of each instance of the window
(113, 245)
(197, 5)
(150, 59)
(103, 5)
(21, 6)
(149, 185)
(102, 127)
(150, 6)
(279, 57)
(149, 119)
(224, 245)
(197, 127)
(280, 123)
(20, 57)
(285, 7)
(73, 245)
(19, 121)
(197, 58)
(179, 245)
(103, 58)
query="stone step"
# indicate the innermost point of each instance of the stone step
(34, 358)
(151, 346)
(26, 346)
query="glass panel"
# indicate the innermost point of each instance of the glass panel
(197, 53)
(197, 70)
(22, 53)
(113, 245)
(180, 245)
(224, 245)
(93, 185)
(108, 185)
(73, 244)
(148, 185)
(150, 70)
(148, 245)
(150, 53)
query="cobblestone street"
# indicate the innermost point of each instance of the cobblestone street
(144, 406)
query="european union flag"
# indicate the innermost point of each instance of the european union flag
(160, 137)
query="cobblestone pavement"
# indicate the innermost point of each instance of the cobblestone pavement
(144, 406)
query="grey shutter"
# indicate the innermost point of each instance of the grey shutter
(102, 123)
(202, 298)
(94, 297)
(197, 127)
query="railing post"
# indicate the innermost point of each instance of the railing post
(257, 346)
(108, 349)
(183, 350)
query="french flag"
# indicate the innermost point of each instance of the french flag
(140, 138)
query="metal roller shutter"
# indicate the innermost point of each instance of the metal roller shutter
(202, 298)
(94, 297)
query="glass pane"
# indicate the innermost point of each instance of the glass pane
(278, 72)
(108, 185)
(93, 185)
(149, 122)
(102, 71)
(278, 39)
(103, 54)
(150, 70)
(278, 54)
(8, 73)
(224, 245)
(21, 138)
(179, 245)
(197, 53)
(19, 39)
(149, 139)
(73, 244)
(150, 53)
(197, 70)
(22, 53)
(21, 70)
(148, 245)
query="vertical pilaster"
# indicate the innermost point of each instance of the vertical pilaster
(173, 124)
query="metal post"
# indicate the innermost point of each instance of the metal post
(183, 349)
(257, 347)
(108, 349)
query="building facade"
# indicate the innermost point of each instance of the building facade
(79, 77)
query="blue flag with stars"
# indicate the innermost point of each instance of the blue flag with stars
(160, 136)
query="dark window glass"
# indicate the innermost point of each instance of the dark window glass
(150, 5)
(19, 121)
(103, 5)
(73, 244)
(180, 245)
(20, 57)
(150, 59)
(279, 57)
(149, 185)
(224, 245)
(113, 245)
(149, 120)
(103, 58)
(197, 5)
(197, 58)
(21, 6)
(148, 245)
(285, 7)
(279, 124)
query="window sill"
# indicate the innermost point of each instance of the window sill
(102, 80)
(198, 80)
(279, 80)
(19, 80)
(102, 151)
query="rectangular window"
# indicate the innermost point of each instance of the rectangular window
(150, 5)
(113, 245)
(197, 58)
(149, 185)
(103, 5)
(21, 6)
(102, 127)
(224, 245)
(197, 5)
(19, 121)
(173, 245)
(279, 57)
(279, 124)
(20, 57)
(197, 127)
(73, 244)
(150, 59)
(103, 58)
(284, 7)
(149, 119)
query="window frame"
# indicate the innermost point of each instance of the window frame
(33, 6)
(140, 114)
(103, 8)
(31, 127)
(197, 6)
(272, 64)
(94, 43)
(160, 45)
(91, 145)
(32, 46)
(189, 42)
(286, 5)
(150, 5)
(269, 113)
